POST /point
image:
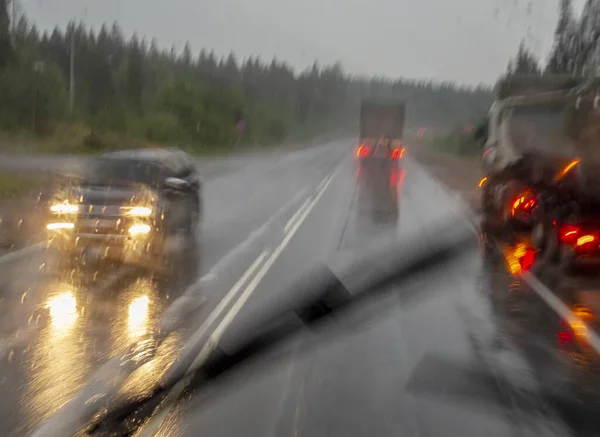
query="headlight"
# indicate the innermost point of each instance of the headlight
(139, 229)
(57, 226)
(64, 208)
(138, 211)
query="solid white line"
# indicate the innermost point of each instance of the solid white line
(11, 256)
(561, 309)
(154, 422)
(296, 215)
(228, 297)
(224, 262)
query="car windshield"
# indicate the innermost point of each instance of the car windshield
(234, 218)
(125, 170)
(542, 128)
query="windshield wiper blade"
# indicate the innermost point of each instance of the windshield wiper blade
(366, 279)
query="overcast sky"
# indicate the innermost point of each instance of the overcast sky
(468, 41)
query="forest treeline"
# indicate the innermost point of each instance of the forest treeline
(132, 88)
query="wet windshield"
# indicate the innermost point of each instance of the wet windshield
(543, 128)
(286, 225)
(121, 170)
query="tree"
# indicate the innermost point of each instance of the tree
(524, 63)
(186, 57)
(562, 58)
(587, 49)
(158, 94)
(6, 47)
(135, 74)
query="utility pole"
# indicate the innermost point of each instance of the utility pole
(72, 75)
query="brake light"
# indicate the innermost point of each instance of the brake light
(398, 153)
(569, 234)
(363, 151)
(585, 239)
(586, 244)
(525, 202)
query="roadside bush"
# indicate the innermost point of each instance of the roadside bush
(160, 128)
(458, 143)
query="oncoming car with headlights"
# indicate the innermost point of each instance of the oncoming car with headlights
(134, 206)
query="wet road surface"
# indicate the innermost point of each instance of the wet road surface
(58, 327)
(434, 368)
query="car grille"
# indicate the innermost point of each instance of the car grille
(100, 226)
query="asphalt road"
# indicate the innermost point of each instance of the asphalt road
(431, 368)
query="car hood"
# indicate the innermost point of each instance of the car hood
(122, 193)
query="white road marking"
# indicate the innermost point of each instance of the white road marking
(11, 256)
(155, 421)
(228, 297)
(189, 297)
(295, 216)
(254, 235)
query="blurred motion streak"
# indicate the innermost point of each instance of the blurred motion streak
(482, 181)
(582, 315)
(561, 174)
(396, 178)
(519, 258)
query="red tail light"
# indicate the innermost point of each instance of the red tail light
(586, 244)
(569, 234)
(586, 239)
(525, 202)
(398, 153)
(363, 151)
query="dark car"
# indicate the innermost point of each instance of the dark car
(133, 206)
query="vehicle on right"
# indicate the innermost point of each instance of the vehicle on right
(540, 172)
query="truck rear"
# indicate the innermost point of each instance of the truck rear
(381, 129)
(541, 177)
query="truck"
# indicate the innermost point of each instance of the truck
(541, 165)
(381, 128)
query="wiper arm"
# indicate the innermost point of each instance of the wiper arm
(332, 299)
(375, 275)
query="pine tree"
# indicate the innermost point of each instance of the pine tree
(524, 63)
(135, 74)
(186, 57)
(562, 58)
(587, 52)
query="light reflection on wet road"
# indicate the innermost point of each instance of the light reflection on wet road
(75, 333)
(59, 325)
